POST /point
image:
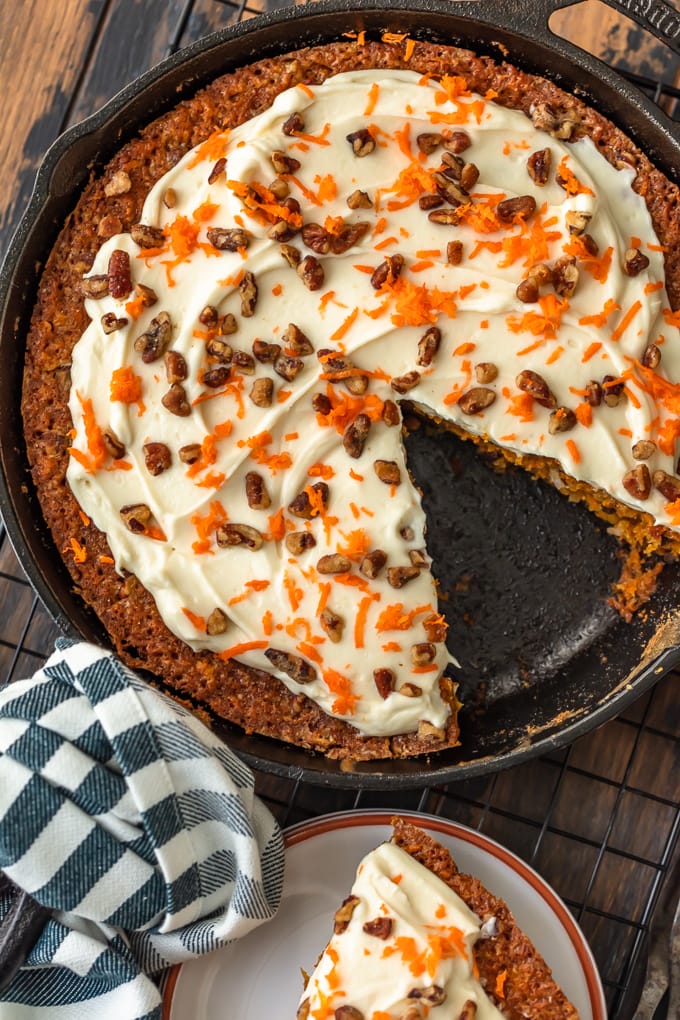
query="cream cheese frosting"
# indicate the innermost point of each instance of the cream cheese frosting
(234, 570)
(408, 941)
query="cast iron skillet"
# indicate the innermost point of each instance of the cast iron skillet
(544, 658)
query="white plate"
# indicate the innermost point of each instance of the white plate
(260, 976)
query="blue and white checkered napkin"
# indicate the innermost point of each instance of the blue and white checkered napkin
(124, 815)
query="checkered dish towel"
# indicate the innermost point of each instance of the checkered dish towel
(125, 816)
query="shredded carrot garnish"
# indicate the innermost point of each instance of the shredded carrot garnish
(244, 646)
(372, 99)
(584, 414)
(126, 387)
(340, 685)
(277, 526)
(574, 451)
(650, 287)
(345, 327)
(360, 619)
(408, 49)
(353, 474)
(319, 470)
(212, 148)
(591, 350)
(569, 181)
(545, 322)
(599, 318)
(135, 307)
(626, 320)
(198, 621)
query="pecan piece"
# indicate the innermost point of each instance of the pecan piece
(157, 458)
(476, 399)
(594, 393)
(430, 201)
(219, 349)
(279, 188)
(264, 352)
(301, 505)
(634, 261)
(228, 238)
(428, 345)
(513, 209)
(297, 341)
(435, 628)
(384, 682)
(190, 453)
(644, 449)
(387, 471)
(453, 193)
(216, 623)
(248, 290)
(638, 482)
(651, 357)
(535, 385)
(321, 404)
(288, 368)
(343, 915)
(298, 542)
(119, 184)
(175, 367)
(410, 690)
(175, 401)
(348, 236)
(668, 485)
(404, 383)
(565, 276)
(95, 287)
(454, 253)
(397, 577)
(538, 165)
(334, 563)
(486, 371)
(170, 198)
(261, 392)
(380, 927)
(311, 272)
(136, 517)
(110, 322)
(147, 236)
(112, 444)
(218, 169)
(433, 995)
(332, 624)
(120, 281)
(359, 200)
(152, 344)
(317, 238)
(387, 271)
(296, 668)
(238, 534)
(292, 124)
(355, 435)
(243, 362)
(291, 255)
(447, 217)
(372, 563)
(109, 225)
(362, 142)
(390, 413)
(469, 1010)
(213, 378)
(612, 391)
(333, 363)
(256, 491)
(428, 141)
(577, 221)
(348, 1013)
(562, 419)
(283, 163)
(527, 290)
(457, 141)
(423, 654)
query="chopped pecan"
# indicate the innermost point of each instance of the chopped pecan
(332, 624)
(410, 690)
(453, 193)
(476, 399)
(219, 349)
(454, 252)
(190, 453)
(288, 368)
(387, 471)
(264, 352)
(157, 458)
(293, 124)
(291, 255)
(404, 383)
(243, 362)
(355, 435)
(343, 915)
(565, 276)
(118, 184)
(175, 401)
(321, 404)
(638, 482)
(390, 413)
(301, 505)
(387, 271)
(644, 449)
(152, 344)
(447, 217)
(384, 682)
(228, 238)
(435, 628)
(120, 280)
(423, 653)
(170, 198)
(510, 210)
(261, 392)
(562, 419)
(634, 261)
(397, 577)
(469, 1010)
(453, 165)
(527, 290)
(227, 324)
(651, 356)
(175, 367)
(136, 517)
(256, 491)
(283, 163)
(298, 542)
(248, 291)
(372, 563)
(594, 393)
(334, 363)
(430, 201)
(359, 200)
(486, 371)
(428, 345)
(668, 485)
(279, 188)
(612, 391)
(348, 236)
(296, 341)
(112, 444)
(546, 118)
(469, 176)
(147, 236)
(334, 563)
(379, 927)
(457, 141)
(433, 995)
(311, 272)
(218, 169)
(577, 221)
(238, 534)
(362, 142)
(428, 141)
(317, 238)
(418, 558)
(538, 165)
(348, 1013)
(95, 287)
(216, 623)
(110, 322)
(296, 668)
(213, 378)
(535, 385)
(540, 273)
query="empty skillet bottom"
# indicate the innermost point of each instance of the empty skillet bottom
(526, 576)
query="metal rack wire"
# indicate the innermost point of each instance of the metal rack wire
(599, 820)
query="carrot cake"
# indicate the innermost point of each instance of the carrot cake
(236, 310)
(416, 938)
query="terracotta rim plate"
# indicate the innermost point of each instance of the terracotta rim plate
(261, 974)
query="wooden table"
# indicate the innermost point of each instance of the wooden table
(600, 820)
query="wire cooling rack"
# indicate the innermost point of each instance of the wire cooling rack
(599, 820)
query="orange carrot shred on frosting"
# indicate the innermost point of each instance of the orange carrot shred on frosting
(213, 148)
(198, 621)
(599, 318)
(244, 646)
(597, 266)
(651, 287)
(546, 322)
(294, 593)
(584, 414)
(569, 181)
(340, 685)
(268, 623)
(591, 350)
(125, 386)
(353, 474)
(357, 543)
(573, 450)
(372, 99)
(626, 320)
(325, 590)
(360, 619)
(277, 525)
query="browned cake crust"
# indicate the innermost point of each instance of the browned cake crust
(247, 697)
(507, 959)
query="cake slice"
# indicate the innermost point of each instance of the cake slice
(416, 938)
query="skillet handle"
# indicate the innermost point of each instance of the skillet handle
(657, 16)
